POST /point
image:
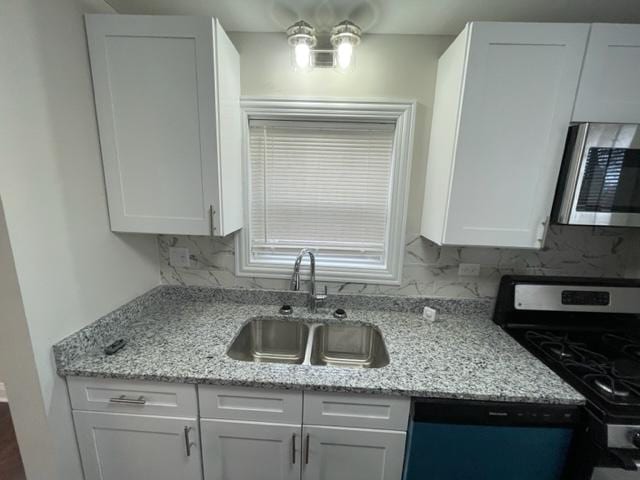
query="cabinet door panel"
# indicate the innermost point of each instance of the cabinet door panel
(154, 87)
(116, 447)
(517, 99)
(352, 454)
(609, 90)
(250, 450)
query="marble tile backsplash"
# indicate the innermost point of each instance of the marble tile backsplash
(430, 270)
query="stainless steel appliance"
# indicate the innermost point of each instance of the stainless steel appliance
(600, 176)
(588, 332)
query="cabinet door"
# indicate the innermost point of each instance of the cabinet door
(115, 447)
(154, 86)
(333, 453)
(518, 91)
(250, 450)
(609, 89)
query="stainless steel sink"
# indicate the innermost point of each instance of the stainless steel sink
(271, 340)
(338, 345)
(275, 340)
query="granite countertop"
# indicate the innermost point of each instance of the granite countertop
(181, 334)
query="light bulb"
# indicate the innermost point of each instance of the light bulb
(345, 52)
(302, 54)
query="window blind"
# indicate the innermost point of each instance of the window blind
(320, 185)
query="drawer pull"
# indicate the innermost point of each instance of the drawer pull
(123, 400)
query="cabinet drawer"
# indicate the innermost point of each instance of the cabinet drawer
(250, 404)
(356, 410)
(121, 396)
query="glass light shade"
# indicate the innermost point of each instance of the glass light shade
(302, 38)
(302, 56)
(344, 37)
(344, 53)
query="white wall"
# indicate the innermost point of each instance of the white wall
(18, 368)
(71, 269)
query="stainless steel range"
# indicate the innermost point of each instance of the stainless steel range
(588, 331)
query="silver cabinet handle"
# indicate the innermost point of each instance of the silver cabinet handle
(187, 442)
(122, 399)
(212, 212)
(293, 449)
(306, 453)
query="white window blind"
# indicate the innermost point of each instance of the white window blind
(320, 185)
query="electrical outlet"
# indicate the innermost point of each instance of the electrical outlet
(469, 270)
(429, 314)
(179, 257)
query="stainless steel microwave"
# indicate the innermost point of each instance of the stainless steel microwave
(600, 176)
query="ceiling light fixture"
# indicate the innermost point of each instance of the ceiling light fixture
(302, 39)
(344, 37)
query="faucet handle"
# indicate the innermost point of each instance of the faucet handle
(323, 296)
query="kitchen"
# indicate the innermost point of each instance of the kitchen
(71, 269)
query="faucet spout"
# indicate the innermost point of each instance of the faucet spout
(314, 298)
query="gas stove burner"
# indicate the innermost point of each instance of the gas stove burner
(610, 387)
(560, 351)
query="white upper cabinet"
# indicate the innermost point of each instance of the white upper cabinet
(609, 89)
(167, 94)
(503, 103)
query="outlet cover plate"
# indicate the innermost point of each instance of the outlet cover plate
(179, 257)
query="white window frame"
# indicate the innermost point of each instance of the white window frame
(402, 113)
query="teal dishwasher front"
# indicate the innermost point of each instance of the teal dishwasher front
(468, 440)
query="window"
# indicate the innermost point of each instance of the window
(328, 176)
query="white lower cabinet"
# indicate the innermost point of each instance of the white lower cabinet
(116, 446)
(337, 453)
(130, 430)
(250, 450)
(334, 437)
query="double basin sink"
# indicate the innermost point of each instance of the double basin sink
(277, 340)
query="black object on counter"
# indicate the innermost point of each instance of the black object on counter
(115, 347)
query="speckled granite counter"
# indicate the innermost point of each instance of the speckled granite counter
(181, 334)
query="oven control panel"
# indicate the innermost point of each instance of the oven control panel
(585, 297)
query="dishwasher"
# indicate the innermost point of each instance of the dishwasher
(462, 440)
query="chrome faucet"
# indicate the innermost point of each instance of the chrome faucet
(314, 298)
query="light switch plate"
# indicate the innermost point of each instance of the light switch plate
(179, 257)
(469, 270)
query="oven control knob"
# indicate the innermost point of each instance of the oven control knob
(635, 438)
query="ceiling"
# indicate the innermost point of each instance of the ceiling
(434, 17)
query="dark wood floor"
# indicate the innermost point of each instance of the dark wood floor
(10, 461)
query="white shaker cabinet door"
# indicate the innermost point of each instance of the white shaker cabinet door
(337, 453)
(504, 99)
(116, 447)
(609, 89)
(167, 101)
(234, 450)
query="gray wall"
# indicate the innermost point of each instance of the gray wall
(398, 67)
